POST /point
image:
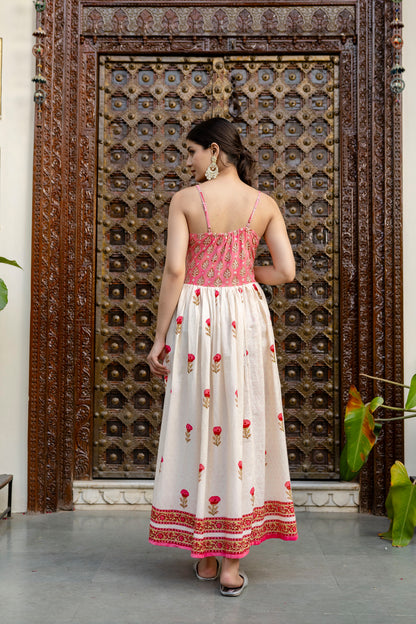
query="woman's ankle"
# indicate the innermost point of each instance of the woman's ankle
(207, 566)
(230, 575)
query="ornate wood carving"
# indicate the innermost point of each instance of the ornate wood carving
(214, 19)
(62, 333)
(287, 110)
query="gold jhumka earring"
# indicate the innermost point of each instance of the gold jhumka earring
(212, 171)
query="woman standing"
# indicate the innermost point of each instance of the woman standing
(222, 479)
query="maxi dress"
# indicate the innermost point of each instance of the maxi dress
(222, 477)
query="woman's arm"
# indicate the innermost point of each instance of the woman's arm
(172, 282)
(277, 240)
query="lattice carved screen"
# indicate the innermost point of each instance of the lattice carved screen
(286, 109)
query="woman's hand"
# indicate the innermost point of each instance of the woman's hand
(156, 358)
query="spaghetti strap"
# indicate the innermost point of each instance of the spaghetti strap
(204, 207)
(254, 209)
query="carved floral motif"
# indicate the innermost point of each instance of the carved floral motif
(145, 23)
(120, 22)
(95, 22)
(345, 22)
(244, 21)
(294, 22)
(220, 21)
(269, 21)
(224, 19)
(320, 21)
(195, 22)
(170, 23)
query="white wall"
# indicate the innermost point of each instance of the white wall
(16, 132)
(409, 216)
(16, 145)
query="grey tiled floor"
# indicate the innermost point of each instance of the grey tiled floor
(98, 568)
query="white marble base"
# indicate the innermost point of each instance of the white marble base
(137, 495)
(326, 496)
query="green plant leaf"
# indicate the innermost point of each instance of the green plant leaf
(401, 507)
(12, 262)
(399, 474)
(375, 403)
(345, 471)
(411, 397)
(360, 429)
(378, 426)
(387, 535)
(3, 294)
(389, 508)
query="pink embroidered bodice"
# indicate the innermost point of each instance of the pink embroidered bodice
(224, 258)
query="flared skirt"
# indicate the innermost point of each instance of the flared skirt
(222, 478)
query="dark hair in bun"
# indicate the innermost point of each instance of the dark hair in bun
(225, 134)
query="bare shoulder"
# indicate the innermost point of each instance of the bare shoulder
(269, 207)
(269, 203)
(181, 199)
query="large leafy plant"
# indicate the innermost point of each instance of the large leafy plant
(3, 287)
(362, 430)
(400, 507)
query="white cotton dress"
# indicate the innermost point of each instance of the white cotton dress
(222, 478)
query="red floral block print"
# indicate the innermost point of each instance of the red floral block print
(196, 298)
(183, 501)
(265, 458)
(240, 290)
(160, 465)
(177, 528)
(257, 291)
(201, 470)
(280, 420)
(191, 359)
(246, 429)
(274, 519)
(188, 428)
(216, 366)
(179, 322)
(216, 438)
(236, 398)
(168, 349)
(288, 489)
(234, 329)
(208, 327)
(240, 469)
(217, 294)
(273, 355)
(213, 506)
(252, 495)
(205, 400)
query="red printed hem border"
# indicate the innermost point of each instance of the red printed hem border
(206, 537)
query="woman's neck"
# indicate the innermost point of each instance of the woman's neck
(229, 172)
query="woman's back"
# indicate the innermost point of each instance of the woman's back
(222, 258)
(229, 206)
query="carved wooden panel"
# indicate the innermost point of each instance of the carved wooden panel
(296, 142)
(286, 110)
(79, 32)
(214, 18)
(146, 108)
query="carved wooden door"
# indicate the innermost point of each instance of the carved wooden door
(286, 109)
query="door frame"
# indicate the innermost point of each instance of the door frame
(64, 187)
